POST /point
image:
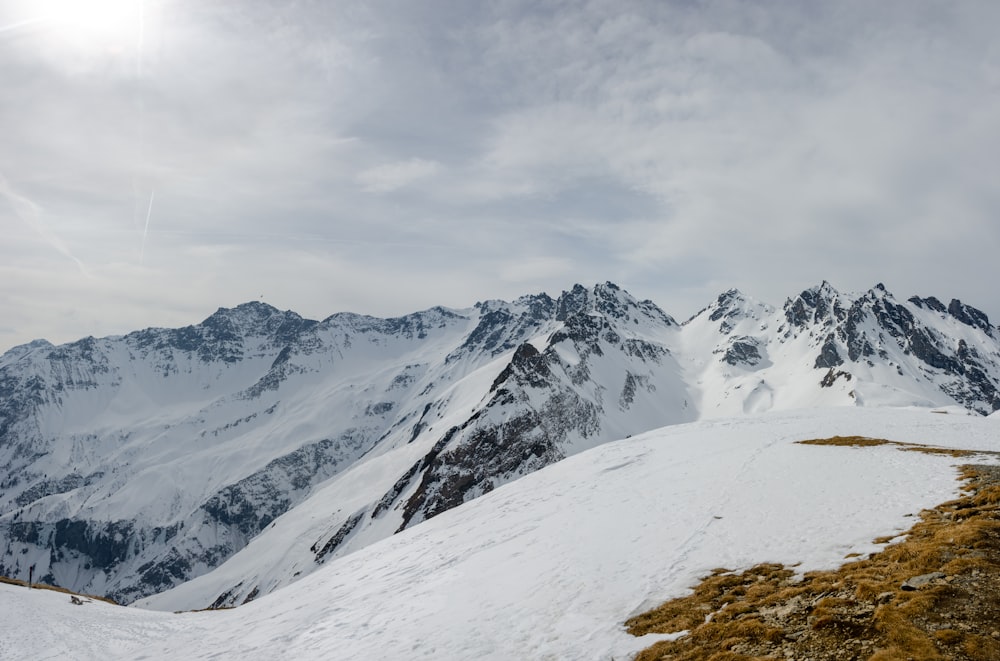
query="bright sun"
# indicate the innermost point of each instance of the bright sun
(109, 25)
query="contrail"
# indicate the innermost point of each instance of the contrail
(30, 213)
(145, 232)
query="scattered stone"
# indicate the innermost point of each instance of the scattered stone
(884, 597)
(917, 582)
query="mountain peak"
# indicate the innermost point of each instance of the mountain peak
(607, 298)
(255, 319)
(878, 292)
(729, 304)
(610, 300)
(824, 289)
(730, 298)
(253, 312)
(731, 307)
(818, 304)
(21, 350)
(963, 313)
(248, 310)
(930, 303)
(970, 316)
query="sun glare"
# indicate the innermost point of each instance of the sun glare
(107, 25)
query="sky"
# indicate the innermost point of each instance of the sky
(163, 158)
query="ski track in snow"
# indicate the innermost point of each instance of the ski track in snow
(693, 542)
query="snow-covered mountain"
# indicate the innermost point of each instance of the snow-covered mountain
(827, 348)
(261, 445)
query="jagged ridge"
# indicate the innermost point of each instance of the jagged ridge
(133, 464)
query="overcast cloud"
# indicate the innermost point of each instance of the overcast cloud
(385, 157)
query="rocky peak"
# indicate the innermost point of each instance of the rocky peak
(503, 326)
(970, 316)
(419, 324)
(20, 351)
(223, 335)
(613, 301)
(730, 297)
(876, 294)
(820, 304)
(249, 312)
(256, 319)
(730, 304)
(87, 349)
(930, 303)
(877, 307)
(572, 302)
(412, 326)
(536, 306)
(610, 301)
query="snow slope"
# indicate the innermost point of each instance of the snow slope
(549, 566)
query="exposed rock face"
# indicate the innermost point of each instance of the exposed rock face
(970, 316)
(829, 356)
(743, 350)
(546, 402)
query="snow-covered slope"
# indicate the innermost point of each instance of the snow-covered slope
(134, 463)
(129, 465)
(550, 566)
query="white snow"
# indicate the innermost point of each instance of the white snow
(551, 565)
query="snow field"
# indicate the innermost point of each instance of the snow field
(550, 566)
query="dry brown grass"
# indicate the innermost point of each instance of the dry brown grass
(951, 452)
(55, 588)
(865, 442)
(859, 611)
(848, 441)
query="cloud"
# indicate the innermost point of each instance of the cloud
(534, 268)
(392, 176)
(435, 153)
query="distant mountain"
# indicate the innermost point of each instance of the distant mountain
(257, 444)
(827, 348)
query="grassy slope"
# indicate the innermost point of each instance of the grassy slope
(861, 610)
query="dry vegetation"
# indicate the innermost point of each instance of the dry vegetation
(865, 442)
(55, 588)
(866, 609)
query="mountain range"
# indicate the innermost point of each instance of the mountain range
(207, 465)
